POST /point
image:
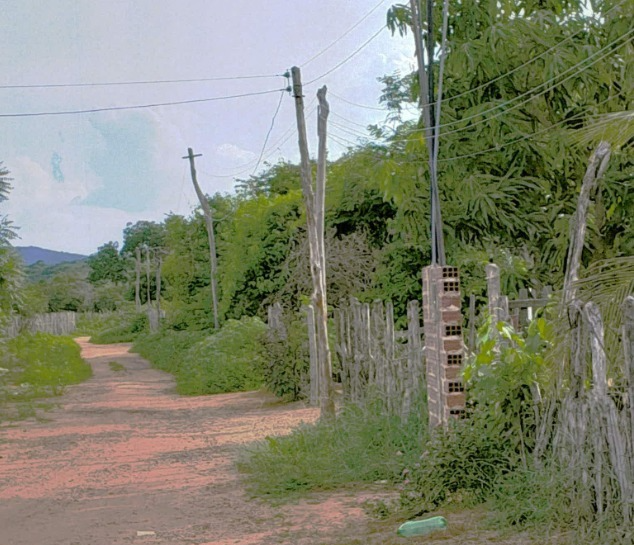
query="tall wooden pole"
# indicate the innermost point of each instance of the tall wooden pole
(137, 282)
(147, 276)
(209, 222)
(314, 199)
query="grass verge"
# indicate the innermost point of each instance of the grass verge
(37, 366)
(363, 445)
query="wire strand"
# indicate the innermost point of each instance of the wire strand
(139, 106)
(148, 82)
(349, 57)
(344, 34)
(268, 134)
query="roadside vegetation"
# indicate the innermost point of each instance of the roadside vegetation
(510, 167)
(34, 367)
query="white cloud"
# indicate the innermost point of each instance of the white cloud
(231, 151)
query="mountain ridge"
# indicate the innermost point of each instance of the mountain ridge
(33, 254)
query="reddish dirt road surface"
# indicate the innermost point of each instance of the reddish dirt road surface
(125, 460)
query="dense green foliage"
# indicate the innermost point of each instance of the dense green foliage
(286, 360)
(38, 366)
(227, 361)
(120, 326)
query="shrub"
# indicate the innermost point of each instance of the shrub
(286, 360)
(227, 361)
(167, 349)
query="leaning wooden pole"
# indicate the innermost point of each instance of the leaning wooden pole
(314, 200)
(209, 223)
(597, 166)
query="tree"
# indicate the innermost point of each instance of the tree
(11, 273)
(522, 79)
(107, 265)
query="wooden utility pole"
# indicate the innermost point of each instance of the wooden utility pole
(159, 264)
(137, 282)
(314, 199)
(147, 276)
(209, 222)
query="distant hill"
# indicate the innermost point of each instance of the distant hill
(33, 254)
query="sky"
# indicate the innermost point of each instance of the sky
(79, 178)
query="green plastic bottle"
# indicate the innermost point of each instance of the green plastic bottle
(421, 527)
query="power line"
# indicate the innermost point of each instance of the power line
(268, 134)
(148, 82)
(139, 106)
(532, 90)
(344, 34)
(278, 144)
(376, 108)
(542, 92)
(349, 57)
(486, 84)
(526, 63)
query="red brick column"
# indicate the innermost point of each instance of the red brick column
(444, 349)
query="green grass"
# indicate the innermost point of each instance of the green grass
(203, 363)
(363, 445)
(116, 366)
(37, 366)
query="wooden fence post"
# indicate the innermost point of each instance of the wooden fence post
(493, 291)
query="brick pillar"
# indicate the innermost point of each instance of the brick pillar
(444, 350)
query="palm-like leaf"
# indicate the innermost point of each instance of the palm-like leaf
(616, 128)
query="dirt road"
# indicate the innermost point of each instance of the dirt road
(124, 454)
(124, 460)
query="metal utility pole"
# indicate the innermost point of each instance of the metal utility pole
(314, 199)
(430, 119)
(209, 222)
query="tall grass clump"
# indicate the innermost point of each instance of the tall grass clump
(227, 361)
(39, 365)
(363, 445)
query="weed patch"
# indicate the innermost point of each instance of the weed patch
(363, 445)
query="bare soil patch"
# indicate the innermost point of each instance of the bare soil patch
(123, 459)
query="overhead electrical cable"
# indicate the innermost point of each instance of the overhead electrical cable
(552, 48)
(349, 57)
(602, 54)
(376, 108)
(278, 144)
(139, 106)
(147, 82)
(268, 134)
(344, 34)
